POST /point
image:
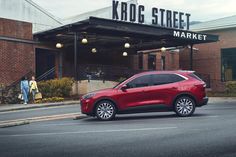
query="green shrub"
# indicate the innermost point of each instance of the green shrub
(56, 88)
(231, 86)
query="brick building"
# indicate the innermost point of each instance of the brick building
(218, 60)
(18, 20)
(17, 55)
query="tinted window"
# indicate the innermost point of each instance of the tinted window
(159, 79)
(141, 81)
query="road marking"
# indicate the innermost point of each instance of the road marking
(86, 132)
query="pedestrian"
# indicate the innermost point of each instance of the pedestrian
(33, 87)
(24, 86)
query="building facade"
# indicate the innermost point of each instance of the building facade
(17, 56)
(218, 60)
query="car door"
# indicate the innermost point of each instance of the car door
(135, 93)
(164, 88)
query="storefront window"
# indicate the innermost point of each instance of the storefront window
(228, 64)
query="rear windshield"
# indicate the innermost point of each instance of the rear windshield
(196, 76)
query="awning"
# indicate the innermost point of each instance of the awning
(112, 34)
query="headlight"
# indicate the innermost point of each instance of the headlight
(89, 95)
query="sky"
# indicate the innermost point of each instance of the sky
(200, 10)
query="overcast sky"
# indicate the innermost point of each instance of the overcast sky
(200, 10)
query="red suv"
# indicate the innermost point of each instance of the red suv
(179, 91)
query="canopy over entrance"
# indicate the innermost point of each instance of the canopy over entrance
(112, 34)
(109, 36)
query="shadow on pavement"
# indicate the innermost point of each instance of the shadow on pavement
(143, 117)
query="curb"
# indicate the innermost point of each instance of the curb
(39, 106)
(18, 122)
(14, 124)
(221, 99)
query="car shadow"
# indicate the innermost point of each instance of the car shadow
(129, 117)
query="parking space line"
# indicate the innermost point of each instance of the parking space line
(86, 132)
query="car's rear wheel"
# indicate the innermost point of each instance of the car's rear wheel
(105, 110)
(184, 106)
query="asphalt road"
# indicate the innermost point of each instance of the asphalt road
(211, 132)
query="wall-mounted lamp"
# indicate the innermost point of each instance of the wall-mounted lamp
(59, 45)
(125, 54)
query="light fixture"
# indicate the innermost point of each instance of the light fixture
(125, 54)
(127, 45)
(84, 41)
(163, 49)
(94, 50)
(59, 45)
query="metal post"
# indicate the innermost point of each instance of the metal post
(75, 63)
(191, 57)
(60, 65)
(75, 57)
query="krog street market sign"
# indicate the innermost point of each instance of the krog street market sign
(134, 13)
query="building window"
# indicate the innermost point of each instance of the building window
(151, 62)
(228, 64)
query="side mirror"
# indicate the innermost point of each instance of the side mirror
(124, 87)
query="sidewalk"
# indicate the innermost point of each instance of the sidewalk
(13, 107)
(221, 99)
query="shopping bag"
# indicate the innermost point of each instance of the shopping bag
(38, 96)
(20, 96)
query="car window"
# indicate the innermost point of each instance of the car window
(141, 81)
(159, 79)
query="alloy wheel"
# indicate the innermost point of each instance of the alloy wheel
(184, 106)
(105, 110)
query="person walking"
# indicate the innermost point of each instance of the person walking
(24, 86)
(33, 87)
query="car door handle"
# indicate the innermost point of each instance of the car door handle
(173, 88)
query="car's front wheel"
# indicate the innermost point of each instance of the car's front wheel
(184, 106)
(105, 110)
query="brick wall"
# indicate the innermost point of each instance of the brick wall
(207, 60)
(16, 58)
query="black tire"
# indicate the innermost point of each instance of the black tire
(184, 106)
(105, 110)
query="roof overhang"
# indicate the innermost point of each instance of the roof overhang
(143, 36)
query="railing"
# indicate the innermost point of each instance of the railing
(116, 73)
(104, 72)
(47, 75)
